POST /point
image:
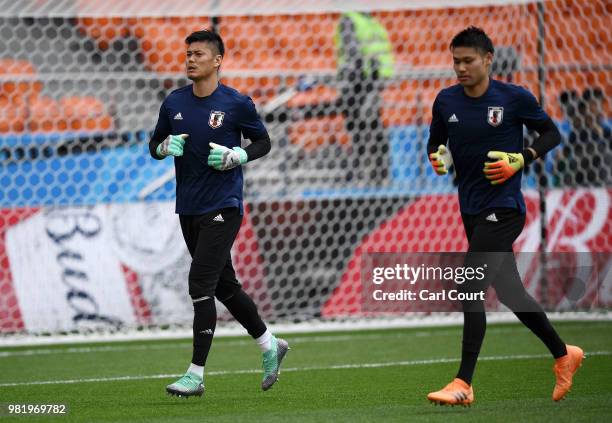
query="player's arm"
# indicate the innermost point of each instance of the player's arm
(549, 137)
(259, 147)
(251, 127)
(439, 156)
(162, 143)
(504, 164)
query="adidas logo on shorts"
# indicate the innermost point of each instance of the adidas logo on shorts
(218, 218)
(492, 218)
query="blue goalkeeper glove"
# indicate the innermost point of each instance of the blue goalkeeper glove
(171, 146)
(222, 158)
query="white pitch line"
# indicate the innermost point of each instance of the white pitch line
(232, 343)
(297, 369)
(185, 344)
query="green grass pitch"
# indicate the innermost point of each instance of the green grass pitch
(360, 376)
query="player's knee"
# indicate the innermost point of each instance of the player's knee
(199, 300)
(203, 306)
(470, 295)
(199, 288)
(202, 281)
(518, 301)
(508, 299)
(226, 292)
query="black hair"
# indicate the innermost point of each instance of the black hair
(475, 37)
(207, 36)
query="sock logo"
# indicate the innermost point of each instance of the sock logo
(207, 331)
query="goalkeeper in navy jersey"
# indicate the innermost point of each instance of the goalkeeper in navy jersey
(477, 126)
(201, 126)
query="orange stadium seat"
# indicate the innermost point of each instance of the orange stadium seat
(571, 28)
(318, 94)
(68, 114)
(314, 133)
(85, 114)
(16, 66)
(163, 40)
(409, 102)
(421, 38)
(288, 42)
(15, 93)
(105, 30)
(46, 115)
(24, 85)
(12, 116)
(261, 88)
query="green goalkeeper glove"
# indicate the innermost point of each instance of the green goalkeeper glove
(504, 168)
(171, 146)
(222, 158)
(441, 160)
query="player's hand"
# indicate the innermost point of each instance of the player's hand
(441, 160)
(506, 165)
(222, 158)
(172, 146)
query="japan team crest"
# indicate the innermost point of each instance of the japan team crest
(215, 120)
(495, 116)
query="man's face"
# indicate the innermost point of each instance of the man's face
(470, 65)
(202, 60)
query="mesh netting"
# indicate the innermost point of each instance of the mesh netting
(80, 92)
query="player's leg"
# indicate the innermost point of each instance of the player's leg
(209, 242)
(494, 231)
(459, 391)
(351, 104)
(488, 239)
(512, 293)
(377, 157)
(189, 235)
(486, 245)
(241, 306)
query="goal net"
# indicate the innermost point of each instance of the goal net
(88, 235)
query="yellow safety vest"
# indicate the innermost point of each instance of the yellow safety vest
(374, 43)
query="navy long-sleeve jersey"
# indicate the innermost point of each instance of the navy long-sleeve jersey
(475, 126)
(222, 117)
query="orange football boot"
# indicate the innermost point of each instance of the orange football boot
(565, 367)
(455, 393)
